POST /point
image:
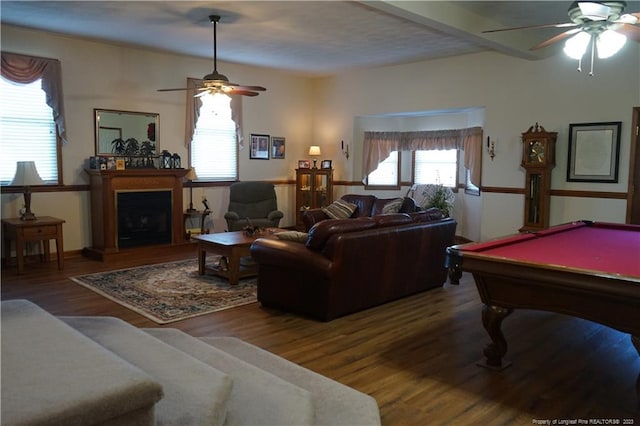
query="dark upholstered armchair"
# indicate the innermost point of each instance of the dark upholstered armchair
(253, 200)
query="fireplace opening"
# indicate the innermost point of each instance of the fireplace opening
(144, 218)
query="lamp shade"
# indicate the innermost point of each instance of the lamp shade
(609, 43)
(191, 174)
(26, 174)
(577, 45)
(314, 150)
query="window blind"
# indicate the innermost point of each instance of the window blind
(436, 167)
(27, 131)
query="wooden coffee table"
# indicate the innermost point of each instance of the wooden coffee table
(232, 245)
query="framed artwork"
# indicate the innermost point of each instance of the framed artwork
(304, 164)
(325, 164)
(277, 147)
(594, 152)
(259, 147)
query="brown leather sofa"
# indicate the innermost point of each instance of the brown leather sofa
(368, 206)
(347, 265)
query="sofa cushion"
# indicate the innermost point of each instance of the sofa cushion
(392, 219)
(322, 231)
(392, 206)
(364, 203)
(296, 236)
(340, 209)
(428, 215)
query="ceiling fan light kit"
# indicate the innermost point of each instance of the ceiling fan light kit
(599, 25)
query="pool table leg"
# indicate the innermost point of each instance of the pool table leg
(492, 317)
(635, 340)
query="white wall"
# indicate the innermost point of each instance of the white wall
(514, 93)
(98, 75)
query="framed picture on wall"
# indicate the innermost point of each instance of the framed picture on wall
(594, 152)
(277, 147)
(259, 147)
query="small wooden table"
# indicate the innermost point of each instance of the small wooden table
(232, 245)
(188, 215)
(44, 228)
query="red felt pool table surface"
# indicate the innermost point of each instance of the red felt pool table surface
(591, 246)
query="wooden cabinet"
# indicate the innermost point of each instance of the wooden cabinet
(314, 189)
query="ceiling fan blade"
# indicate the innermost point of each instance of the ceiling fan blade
(170, 90)
(556, 39)
(531, 27)
(243, 92)
(631, 31)
(251, 88)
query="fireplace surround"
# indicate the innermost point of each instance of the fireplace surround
(107, 185)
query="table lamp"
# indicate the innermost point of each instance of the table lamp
(27, 175)
(191, 176)
(314, 151)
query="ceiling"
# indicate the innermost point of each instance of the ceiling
(310, 37)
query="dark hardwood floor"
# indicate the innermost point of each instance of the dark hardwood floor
(416, 356)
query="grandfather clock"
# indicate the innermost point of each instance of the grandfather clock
(538, 159)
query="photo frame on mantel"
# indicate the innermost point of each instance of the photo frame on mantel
(594, 152)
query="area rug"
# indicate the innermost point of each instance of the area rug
(169, 292)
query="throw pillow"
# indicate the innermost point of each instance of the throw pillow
(393, 206)
(299, 237)
(339, 209)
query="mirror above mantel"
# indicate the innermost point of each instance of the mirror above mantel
(113, 130)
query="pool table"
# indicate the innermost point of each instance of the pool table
(585, 269)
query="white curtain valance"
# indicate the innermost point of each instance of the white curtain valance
(378, 146)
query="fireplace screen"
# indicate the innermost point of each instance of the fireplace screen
(144, 218)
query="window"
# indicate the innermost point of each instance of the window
(387, 175)
(436, 167)
(214, 152)
(27, 129)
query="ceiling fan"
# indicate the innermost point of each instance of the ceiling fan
(219, 83)
(601, 25)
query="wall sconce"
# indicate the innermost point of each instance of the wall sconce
(491, 147)
(314, 151)
(345, 152)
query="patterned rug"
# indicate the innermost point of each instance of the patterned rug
(169, 292)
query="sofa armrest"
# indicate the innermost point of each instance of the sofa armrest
(312, 216)
(289, 255)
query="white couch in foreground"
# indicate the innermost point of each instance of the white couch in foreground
(103, 371)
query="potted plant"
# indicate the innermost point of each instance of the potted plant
(441, 197)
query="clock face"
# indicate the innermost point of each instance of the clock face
(535, 152)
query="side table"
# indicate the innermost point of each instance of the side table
(44, 228)
(188, 215)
